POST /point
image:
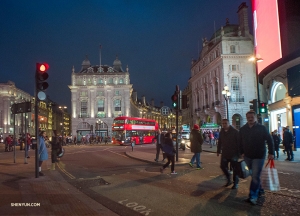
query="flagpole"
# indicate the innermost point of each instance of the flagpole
(100, 53)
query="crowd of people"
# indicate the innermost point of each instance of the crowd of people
(248, 143)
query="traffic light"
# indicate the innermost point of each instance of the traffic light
(253, 105)
(175, 100)
(41, 76)
(263, 107)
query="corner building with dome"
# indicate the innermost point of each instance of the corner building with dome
(98, 95)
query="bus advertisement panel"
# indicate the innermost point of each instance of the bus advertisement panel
(128, 130)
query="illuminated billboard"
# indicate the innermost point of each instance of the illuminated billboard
(266, 32)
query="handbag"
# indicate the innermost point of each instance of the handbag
(242, 169)
(269, 177)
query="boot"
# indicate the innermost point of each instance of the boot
(53, 166)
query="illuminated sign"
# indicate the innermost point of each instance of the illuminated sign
(266, 32)
(143, 127)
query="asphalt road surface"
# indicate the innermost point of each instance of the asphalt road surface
(132, 187)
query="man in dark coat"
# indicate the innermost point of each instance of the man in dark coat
(229, 145)
(196, 146)
(159, 142)
(288, 143)
(252, 140)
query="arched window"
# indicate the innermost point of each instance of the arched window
(235, 90)
(278, 92)
(117, 105)
(100, 81)
(100, 105)
(232, 49)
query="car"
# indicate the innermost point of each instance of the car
(182, 143)
(185, 134)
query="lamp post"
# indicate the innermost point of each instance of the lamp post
(256, 60)
(226, 93)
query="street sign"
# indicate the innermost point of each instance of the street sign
(24, 107)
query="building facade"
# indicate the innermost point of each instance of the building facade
(224, 61)
(98, 95)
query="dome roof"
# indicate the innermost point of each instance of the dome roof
(85, 63)
(117, 65)
(229, 30)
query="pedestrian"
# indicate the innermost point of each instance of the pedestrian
(276, 141)
(105, 140)
(29, 142)
(288, 143)
(229, 146)
(196, 140)
(159, 143)
(170, 153)
(211, 139)
(56, 149)
(216, 136)
(43, 153)
(75, 140)
(252, 138)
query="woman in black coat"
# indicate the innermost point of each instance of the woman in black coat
(168, 148)
(56, 148)
(276, 140)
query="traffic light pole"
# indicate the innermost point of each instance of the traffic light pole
(36, 115)
(178, 107)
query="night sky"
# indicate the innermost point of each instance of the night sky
(156, 39)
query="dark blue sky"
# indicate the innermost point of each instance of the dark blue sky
(155, 38)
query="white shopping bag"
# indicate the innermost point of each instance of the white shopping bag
(269, 177)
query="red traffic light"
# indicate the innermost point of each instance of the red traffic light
(42, 67)
(262, 104)
(174, 97)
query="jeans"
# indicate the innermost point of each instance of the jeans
(224, 168)
(171, 158)
(197, 157)
(158, 148)
(255, 166)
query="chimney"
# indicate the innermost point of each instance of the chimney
(161, 104)
(243, 19)
(152, 102)
(143, 100)
(134, 96)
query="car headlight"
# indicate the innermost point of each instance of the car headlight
(122, 141)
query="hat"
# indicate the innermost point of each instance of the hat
(196, 127)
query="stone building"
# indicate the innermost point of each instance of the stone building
(98, 95)
(224, 61)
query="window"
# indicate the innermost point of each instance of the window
(100, 93)
(117, 93)
(100, 81)
(235, 89)
(232, 49)
(83, 94)
(121, 81)
(233, 67)
(83, 109)
(110, 80)
(100, 105)
(117, 105)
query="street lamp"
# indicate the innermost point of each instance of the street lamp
(255, 60)
(226, 93)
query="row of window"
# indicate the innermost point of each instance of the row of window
(101, 81)
(99, 93)
(100, 106)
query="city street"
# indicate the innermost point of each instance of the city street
(107, 175)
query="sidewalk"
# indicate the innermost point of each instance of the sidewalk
(54, 194)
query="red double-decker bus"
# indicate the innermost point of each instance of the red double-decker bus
(128, 130)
